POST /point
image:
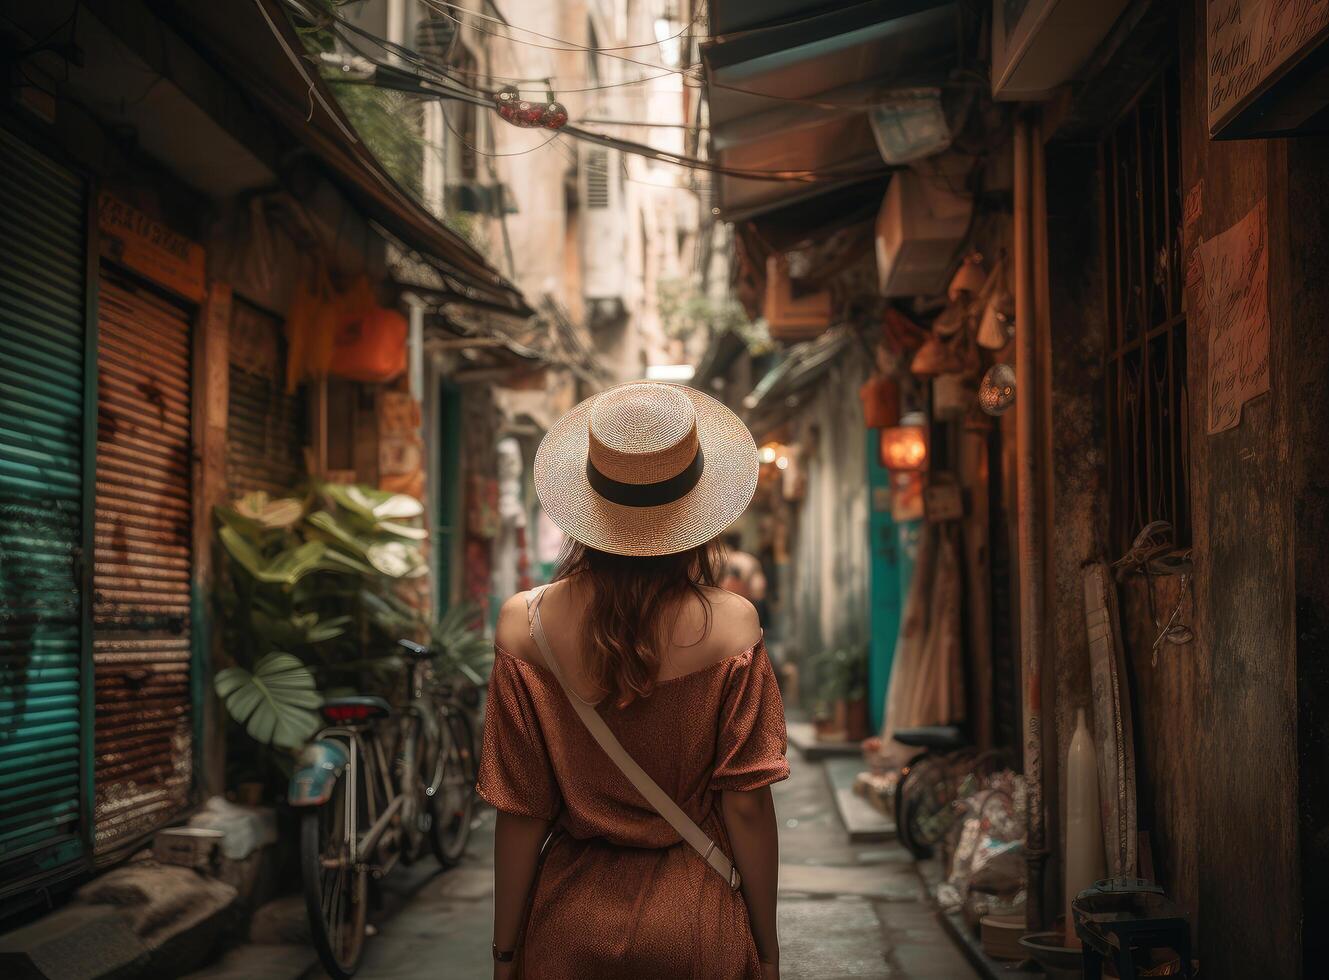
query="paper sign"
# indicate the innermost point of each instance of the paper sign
(1230, 276)
(1250, 43)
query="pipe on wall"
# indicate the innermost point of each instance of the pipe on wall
(1029, 522)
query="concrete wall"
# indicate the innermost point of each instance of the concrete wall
(830, 606)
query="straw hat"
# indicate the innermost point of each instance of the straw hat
(646, 469)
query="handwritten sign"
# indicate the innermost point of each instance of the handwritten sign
(1251, 44)
(1229, 276)
(130, 237)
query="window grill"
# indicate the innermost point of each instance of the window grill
(1148, 450)
(597, 177)
(467, 124)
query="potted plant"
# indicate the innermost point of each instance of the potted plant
(856, 692)
(309, 602)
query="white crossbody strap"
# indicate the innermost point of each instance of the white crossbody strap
(645, 785)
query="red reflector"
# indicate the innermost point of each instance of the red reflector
(347, 712)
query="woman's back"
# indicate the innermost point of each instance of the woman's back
(618, 893)
(713, 720)
(642, 478)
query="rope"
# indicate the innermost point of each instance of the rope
(1153, 553)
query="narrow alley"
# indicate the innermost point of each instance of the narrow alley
(940, 382)
(847, 911)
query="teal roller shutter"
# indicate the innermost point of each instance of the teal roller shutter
(43, 294)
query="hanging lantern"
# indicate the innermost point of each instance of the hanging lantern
(904, 447)
(997, 392)
(527, 114)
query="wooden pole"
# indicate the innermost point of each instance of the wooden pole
(1029, 524)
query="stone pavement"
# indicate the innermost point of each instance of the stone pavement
(846, 911)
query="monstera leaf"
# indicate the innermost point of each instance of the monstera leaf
(374, 505)
(396, 559)
(263, 510)
(275, 702)
(285, 568)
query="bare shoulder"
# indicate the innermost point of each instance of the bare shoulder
(513, 632)
(734, 623)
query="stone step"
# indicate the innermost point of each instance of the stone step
(803, 736)
(863, 822)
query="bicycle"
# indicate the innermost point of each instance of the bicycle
(363, 814)
(931, 783)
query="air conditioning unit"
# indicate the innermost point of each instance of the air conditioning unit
(1039, 45)
(602, 224)
(472, 197)
(919, 230)
(477, 198)
(790, 317)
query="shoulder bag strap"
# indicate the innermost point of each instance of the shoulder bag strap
(645, 785)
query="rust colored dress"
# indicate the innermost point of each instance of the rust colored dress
(619, 894)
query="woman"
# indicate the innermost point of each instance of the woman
(591, 881)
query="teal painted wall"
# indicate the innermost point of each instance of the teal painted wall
(892, 548)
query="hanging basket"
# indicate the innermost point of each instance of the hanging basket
(880, 396)
(370, 348)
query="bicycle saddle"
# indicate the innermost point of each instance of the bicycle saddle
(358, 708)
(415, 650)
(941, 737)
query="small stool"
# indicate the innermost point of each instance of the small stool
(1122, 918)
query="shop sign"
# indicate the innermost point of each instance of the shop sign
(132, 239)
(943, 500)
(1251, 46)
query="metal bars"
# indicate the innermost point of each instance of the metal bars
(1145, 349)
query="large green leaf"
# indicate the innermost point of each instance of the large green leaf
(395, 559)
(374, 505)
(338, 534)
(285, 568)
(274, 702)
(281, 513)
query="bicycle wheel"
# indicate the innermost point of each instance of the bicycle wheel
(453, 801)
(336, 892)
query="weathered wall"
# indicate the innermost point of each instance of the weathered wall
(1078, 495)
(831, 594)
(1218, 733)
(1242, 738)
(1308, 299)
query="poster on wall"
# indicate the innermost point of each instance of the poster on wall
(1229, 277)
(1251, 45)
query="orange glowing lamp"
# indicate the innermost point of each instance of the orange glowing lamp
(904, 448)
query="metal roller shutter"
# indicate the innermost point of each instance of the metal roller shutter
(43, 296)
(264, 425)
(141, 579)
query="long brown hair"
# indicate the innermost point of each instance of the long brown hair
(633, 608)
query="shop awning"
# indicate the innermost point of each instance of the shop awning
(789, 89)
(254, 43)
(778, 391)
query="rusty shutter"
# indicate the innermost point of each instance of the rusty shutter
(264, 425)
(43, 297)
(141, 579)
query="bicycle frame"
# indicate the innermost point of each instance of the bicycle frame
(344, 751)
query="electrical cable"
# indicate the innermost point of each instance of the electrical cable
(689, 80)
(428, 79)
(664, 70)
(683, 72)
(571, 46)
